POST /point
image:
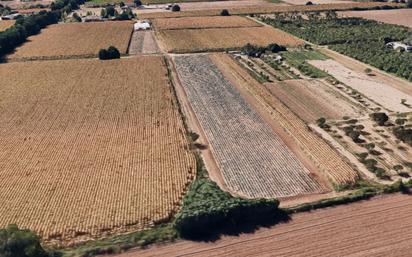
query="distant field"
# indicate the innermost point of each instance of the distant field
(89, 147)
(204, 22)
(264, 9)
(190, 40)
(5, 24)
(399, 17)
(75, 39)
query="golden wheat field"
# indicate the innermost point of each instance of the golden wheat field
(90, 147)
(5, 24)
(190, 40)
(204, 22)
(75, 39)
(262, 9)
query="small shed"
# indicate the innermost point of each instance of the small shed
(142, 25)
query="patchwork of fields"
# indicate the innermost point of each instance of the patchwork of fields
(253, 160)
(75, 40)
(90, 147)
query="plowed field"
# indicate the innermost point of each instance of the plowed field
(378, 227)
(204, 22)
(90, 147)
(254, 161)
(75, 39)
(191, 40)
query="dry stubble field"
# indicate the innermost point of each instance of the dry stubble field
(191, 40)
(90, 147)
(204, 22)
(401, 17)
(75, 39)
(5, 24)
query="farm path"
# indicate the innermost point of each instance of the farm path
(377, 227)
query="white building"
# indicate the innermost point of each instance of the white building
(400, 46)
(142, 25)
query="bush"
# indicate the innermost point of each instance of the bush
(309, 3)
(176, 8)
(110, 53)
(137, 3)
(409, 4)
(225, 12)
(15, 242)
(207, 209)
(380, 118)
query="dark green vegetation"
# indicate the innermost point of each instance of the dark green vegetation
(361, 39)
(15, 242)
(111, 53)
(257, 51)
(31, 25)
(404, 134)
(298, 59)
(109, 12)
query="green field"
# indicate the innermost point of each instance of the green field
(298, 58)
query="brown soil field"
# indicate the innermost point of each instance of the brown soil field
(17, 4)
(328, 161)
(143, 42)
(89, 147)
(377, 227)
(379, 92)
(5, 24)
(312, 99)
(75, 40)
(302, 2)
(399, 17)
(204, 22)
(275, 8)
(190, 40)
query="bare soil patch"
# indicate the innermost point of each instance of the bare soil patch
(5, 24)
(401, 17)
(381, 93)
(75, 39)
(367, 228)
(90, 147)
(143, 42)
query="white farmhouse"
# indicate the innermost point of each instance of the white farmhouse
(142, 25)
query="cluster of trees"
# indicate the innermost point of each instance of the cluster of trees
(4, 10)
(23, 28)
(15, 242)
(207, 210)
(361, 39)
(257, 51)
(66, 6)
(109, 53)
(404, 134)
(110, 11)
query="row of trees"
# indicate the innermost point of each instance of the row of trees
(361, 39)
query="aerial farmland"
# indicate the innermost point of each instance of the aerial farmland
(131, 124)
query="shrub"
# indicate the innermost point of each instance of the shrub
(137, 3)
(309, 3)
(409, 4)
(15, 242)
(176, 8)
(225, 12)
(380, 118)
(110, 53)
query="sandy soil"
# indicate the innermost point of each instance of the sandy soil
(5, 24)
(378, 227)
(382, 93)
(143, 42)
(399, 17)
(301, 2)
(312, 99)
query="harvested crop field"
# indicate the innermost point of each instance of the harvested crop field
(90, 147)
(333, 166)
(262, 9)
(190, 40)
(313, 99)
(401, 17)
(254, 161)
(143, 42)
(381, 93)
(5, 24)
(204, 22)
(376, 227)
(75, 40)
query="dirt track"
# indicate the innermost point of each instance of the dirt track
(379, 227)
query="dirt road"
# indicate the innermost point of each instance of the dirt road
(378, 227)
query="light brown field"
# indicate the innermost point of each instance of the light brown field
(312, 99)
(90, 147)
(399, 17)
(275, 8)
(302, 2)
(17, 4)
(5, 24)
(190, 40)
(204, 22)
(328, 161)
(377, 227)
(75, 39)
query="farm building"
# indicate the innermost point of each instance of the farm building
(142, 25)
